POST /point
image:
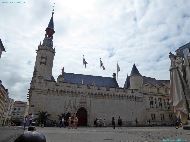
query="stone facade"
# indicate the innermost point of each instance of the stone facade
(92, 97)
(4, 99)
(19, 111)
(8, 112)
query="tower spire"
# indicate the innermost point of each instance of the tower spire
(50, 29)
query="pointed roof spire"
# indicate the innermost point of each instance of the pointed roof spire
(135, 71)
(50, 29)
(51, 23)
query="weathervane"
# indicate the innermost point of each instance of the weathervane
(53, 8)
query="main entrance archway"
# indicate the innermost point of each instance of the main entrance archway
(82, 116)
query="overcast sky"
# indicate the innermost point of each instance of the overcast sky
(128, 31)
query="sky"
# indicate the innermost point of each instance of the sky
(124, 31)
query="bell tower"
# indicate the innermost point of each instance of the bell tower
(45, 54)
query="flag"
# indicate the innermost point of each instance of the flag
(102, 65)
(84, 61)
(118, 68)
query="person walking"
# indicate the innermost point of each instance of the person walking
(25, 121)
(69, 122)
(136, 121)
(62, 122)
(75, 122)
(119, 122)
(113, 122)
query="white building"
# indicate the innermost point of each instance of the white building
(142, 100)
(18, 112)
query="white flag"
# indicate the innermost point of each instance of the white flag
(84, 62)
(118, 68)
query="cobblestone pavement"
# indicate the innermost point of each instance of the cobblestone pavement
(127, 134)
(9, 134)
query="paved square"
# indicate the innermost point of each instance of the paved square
(126, 134)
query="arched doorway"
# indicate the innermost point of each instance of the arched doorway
(82, 116)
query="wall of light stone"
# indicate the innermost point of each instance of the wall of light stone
(99, 102)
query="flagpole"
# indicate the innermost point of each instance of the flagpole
(117, 70)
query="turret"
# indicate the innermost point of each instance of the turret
(61, 76)
(45, 54)
(136, 79)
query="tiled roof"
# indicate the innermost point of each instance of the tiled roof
(134, 71)
(90, 80)
(154, 82)
(179, 51)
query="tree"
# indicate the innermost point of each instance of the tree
(42, 117)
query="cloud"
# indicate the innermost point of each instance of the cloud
(132, 31)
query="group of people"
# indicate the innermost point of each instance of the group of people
(100, 122)
(119, 122)
(72, 121)
(28, 120)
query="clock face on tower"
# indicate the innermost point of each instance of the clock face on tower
(43, 60)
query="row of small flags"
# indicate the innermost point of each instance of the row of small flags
(101, 65)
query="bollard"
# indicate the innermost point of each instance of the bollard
(31, 136)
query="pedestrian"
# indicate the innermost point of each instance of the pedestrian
(113, 122)
(30, 119)
(178, 123)
(61, 123)
(75, 122)
(119, 122)
(72, 121)
(25, 121)
(95, 122)
(136, 121)
(69, 122)
(104, 122)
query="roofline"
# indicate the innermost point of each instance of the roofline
(88, 75)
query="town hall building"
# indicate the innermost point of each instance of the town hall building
(141, 101)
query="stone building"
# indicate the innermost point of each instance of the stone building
(4, 99)
(8, 111)
(141, 100)
(19, 111)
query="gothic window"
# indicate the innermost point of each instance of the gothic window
(164, 103)
(153, 116)
(168, 104)
(43, 60)
(155, 102)
(160, 102)
(151, 102)
(157, 90)
(166, 90)
(170, 116)
(162, 116)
